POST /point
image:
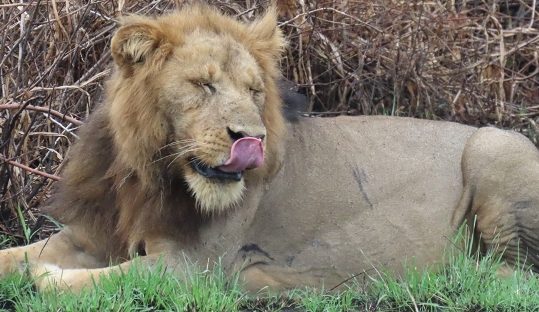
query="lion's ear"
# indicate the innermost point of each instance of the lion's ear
(267, 33)
(136, 41)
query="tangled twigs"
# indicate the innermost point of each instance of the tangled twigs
(44, 110)
(475, 62)
(32, 170)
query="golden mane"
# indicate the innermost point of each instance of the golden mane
(112, 179)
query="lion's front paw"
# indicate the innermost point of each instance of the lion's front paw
(46, 276)
(51, 277)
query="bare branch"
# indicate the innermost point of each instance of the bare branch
(32, 170)
(44, 110)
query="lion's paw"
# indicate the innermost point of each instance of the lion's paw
(48, 277)
(52, 277)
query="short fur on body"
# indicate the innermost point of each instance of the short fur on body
(335, 197)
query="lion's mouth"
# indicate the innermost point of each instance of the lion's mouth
(214, 173)
(246, 153)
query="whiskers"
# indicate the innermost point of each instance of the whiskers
(179, 142)
(180, 148)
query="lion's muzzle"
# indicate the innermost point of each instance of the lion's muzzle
(246, 153)
(214, 173)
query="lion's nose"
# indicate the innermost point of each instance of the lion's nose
(238, 132)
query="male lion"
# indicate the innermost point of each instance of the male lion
(190, 156)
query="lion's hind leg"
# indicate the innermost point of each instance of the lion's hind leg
(501, 181)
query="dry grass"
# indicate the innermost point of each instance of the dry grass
(471, 61)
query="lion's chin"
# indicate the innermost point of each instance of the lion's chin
(214, 196)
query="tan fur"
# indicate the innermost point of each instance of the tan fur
(335, 196)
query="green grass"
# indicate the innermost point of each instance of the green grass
(6, 241)
(467, 283)
(136, 290)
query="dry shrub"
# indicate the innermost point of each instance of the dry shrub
(472, 61)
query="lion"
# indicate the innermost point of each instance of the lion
(190, 157)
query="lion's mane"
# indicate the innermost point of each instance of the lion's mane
(113, 186)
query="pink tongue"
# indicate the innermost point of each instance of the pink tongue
(246, 153)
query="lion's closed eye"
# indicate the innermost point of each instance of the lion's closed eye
(208, 87)
(255, 91)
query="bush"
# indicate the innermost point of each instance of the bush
(471, 61)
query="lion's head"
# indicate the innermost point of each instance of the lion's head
(195, 92)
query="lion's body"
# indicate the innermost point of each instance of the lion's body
(171, 166)
(358, 193)
(354, 193)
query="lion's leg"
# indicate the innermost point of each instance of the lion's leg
(61, 249)
(258, 271)
(501, 179)
(49, 277)
(274, 278)
(162, 253)
(258, 277)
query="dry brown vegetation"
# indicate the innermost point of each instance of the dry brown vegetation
(475, 62)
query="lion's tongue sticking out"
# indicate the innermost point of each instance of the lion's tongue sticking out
(246, 153)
